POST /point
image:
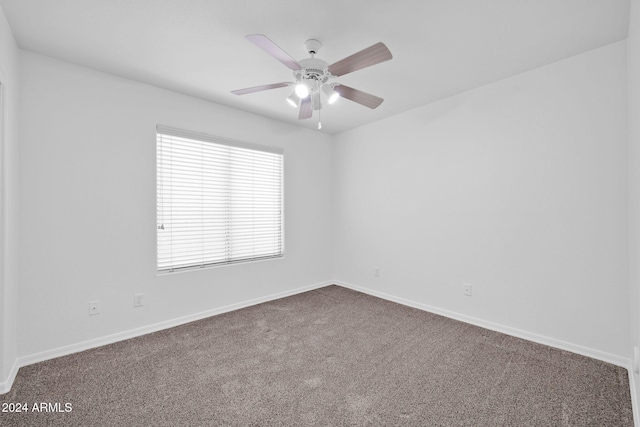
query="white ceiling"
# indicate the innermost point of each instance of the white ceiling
(197, 47)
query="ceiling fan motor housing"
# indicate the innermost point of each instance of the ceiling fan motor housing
(314, 73)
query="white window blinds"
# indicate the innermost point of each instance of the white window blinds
(218, 201)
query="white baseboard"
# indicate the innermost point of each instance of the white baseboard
(634, 397)
(530, 336)
(121, 336)
(5, 386)
(109, 339)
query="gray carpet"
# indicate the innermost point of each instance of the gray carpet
(331, 356)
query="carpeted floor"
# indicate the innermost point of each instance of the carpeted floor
(330, 356)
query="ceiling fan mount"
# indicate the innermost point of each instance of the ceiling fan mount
(312, 46)
(312, 75)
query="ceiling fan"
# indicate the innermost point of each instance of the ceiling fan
(312, 75)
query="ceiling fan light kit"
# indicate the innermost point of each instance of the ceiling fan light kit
(330, 93)
(312, 76)
(302, 90)
(315, 101)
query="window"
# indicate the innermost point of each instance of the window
(218, 201)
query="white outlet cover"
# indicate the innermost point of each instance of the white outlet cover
(94, 308)
(138, 300)
(467, 289)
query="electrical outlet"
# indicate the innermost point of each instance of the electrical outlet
(94, 308)
(376, 272)
(138, 300)
(467, 289)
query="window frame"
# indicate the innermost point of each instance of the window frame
(223, 141)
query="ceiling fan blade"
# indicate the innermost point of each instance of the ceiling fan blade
(259, 88)
(264, 43)
(358, 96)
(306, 108)
(365, 58)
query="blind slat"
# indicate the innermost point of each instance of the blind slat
(218, 202)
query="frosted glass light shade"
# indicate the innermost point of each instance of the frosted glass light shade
(331, 94)
(302, 90)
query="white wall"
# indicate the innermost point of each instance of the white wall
(633, 49)
(9, 80)
(518, 188)
(87, 194)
